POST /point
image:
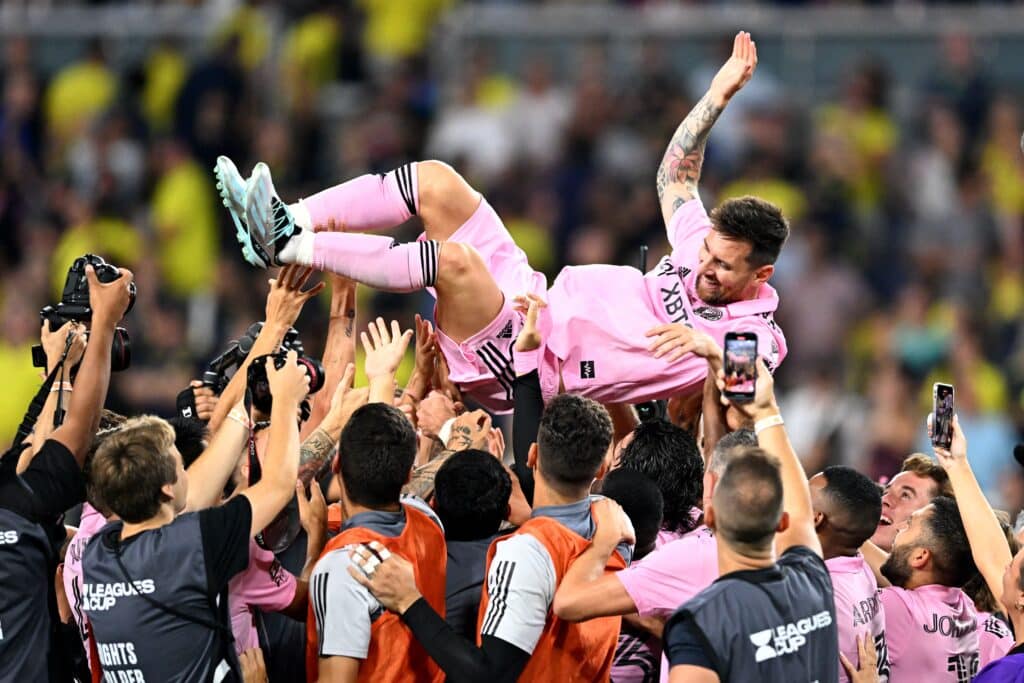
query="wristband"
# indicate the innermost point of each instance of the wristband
(445, 432)
(63, 386)
(767, 423)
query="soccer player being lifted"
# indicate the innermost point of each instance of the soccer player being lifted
(611, 333)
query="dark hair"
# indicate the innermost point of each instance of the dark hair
(641, 501)
(923, 466)
(857, 504)
(755, 221)
(748, 501)
(947, 539)
(731, 443)
(669, 456)
(131, 466)
(378, 448)
(189, 437)
(573, 439)
(471, 492)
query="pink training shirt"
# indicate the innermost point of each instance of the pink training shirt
(600, 313)
(931, 633)
(858, 610)
(266, 585)
(671, 575)
(994, 638)
(90, 524)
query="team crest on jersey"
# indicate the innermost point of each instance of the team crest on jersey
(506, 332)
(709, 313)
(587, 370)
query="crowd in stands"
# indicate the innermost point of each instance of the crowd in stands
(355, 514)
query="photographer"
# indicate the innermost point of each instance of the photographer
(33, 502)
(154, 584)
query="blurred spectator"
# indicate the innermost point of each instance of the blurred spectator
(79, 92)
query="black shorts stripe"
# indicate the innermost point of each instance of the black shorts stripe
(496, 370)
(506, 361)
(403, 174)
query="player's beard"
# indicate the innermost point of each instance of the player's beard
(712, 297)
(897, 567)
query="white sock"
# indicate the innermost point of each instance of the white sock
(301, 215)
(298, 249)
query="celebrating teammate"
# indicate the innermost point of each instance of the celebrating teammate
(604, 320)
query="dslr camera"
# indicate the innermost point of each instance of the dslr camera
(257, 377)
(74, 306)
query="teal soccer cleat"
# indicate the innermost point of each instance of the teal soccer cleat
(269, 223)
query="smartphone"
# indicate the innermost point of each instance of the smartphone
(942, 415)
(740, 366)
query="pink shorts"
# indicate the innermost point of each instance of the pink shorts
(482, 365)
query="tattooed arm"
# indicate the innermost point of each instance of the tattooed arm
(421, 484)
(317, 450)
(339, 349)
(680, 168)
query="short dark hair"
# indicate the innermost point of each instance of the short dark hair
(669, 456)
(748, 501)
(573, 440)
(131, 466)
(857, 503)
(641, 500)
(378, 449)
(923, 466)
(731, 443)
(755, 221)
(947, 539)
(189, 436)
(471, 493)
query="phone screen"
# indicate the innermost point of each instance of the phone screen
(942, 415)
(740, 366)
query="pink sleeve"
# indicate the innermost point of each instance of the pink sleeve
(665, 579)
(686, 230)
(266, 584)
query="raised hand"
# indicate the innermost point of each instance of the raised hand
(206, 400)
(471, 430)
(286, 298)
(53, 342)
(290, 382)
(529, 338)
(109, 301)
(868, 672)
(957, 451)
(737, 70)
(312, 509)
(384, 350)
(426, 347)
(764, 404)
(433, 411)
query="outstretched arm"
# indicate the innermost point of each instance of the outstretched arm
(988, 545)
(680, 168)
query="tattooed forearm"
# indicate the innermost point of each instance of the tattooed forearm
(685, 154)
(421, 484)
(316, 451)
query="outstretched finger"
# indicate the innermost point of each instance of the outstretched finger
(367, 346)
(314, 290)
(851, 672)
(396, 330)
(375, 333)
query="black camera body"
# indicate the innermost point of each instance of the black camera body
(74, 306)
(259, 385)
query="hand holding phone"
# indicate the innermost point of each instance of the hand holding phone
(942, 415)
(740, 366)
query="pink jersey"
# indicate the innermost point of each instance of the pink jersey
(671, 575)
(264, 584)
(994, 638)
(931, 633)
(92, 521)
(599, 315)
(858, 610)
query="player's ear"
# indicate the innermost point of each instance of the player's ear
(819, 519)
(783, 523)
(764, 273)
(531, 457)
(709, 516)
